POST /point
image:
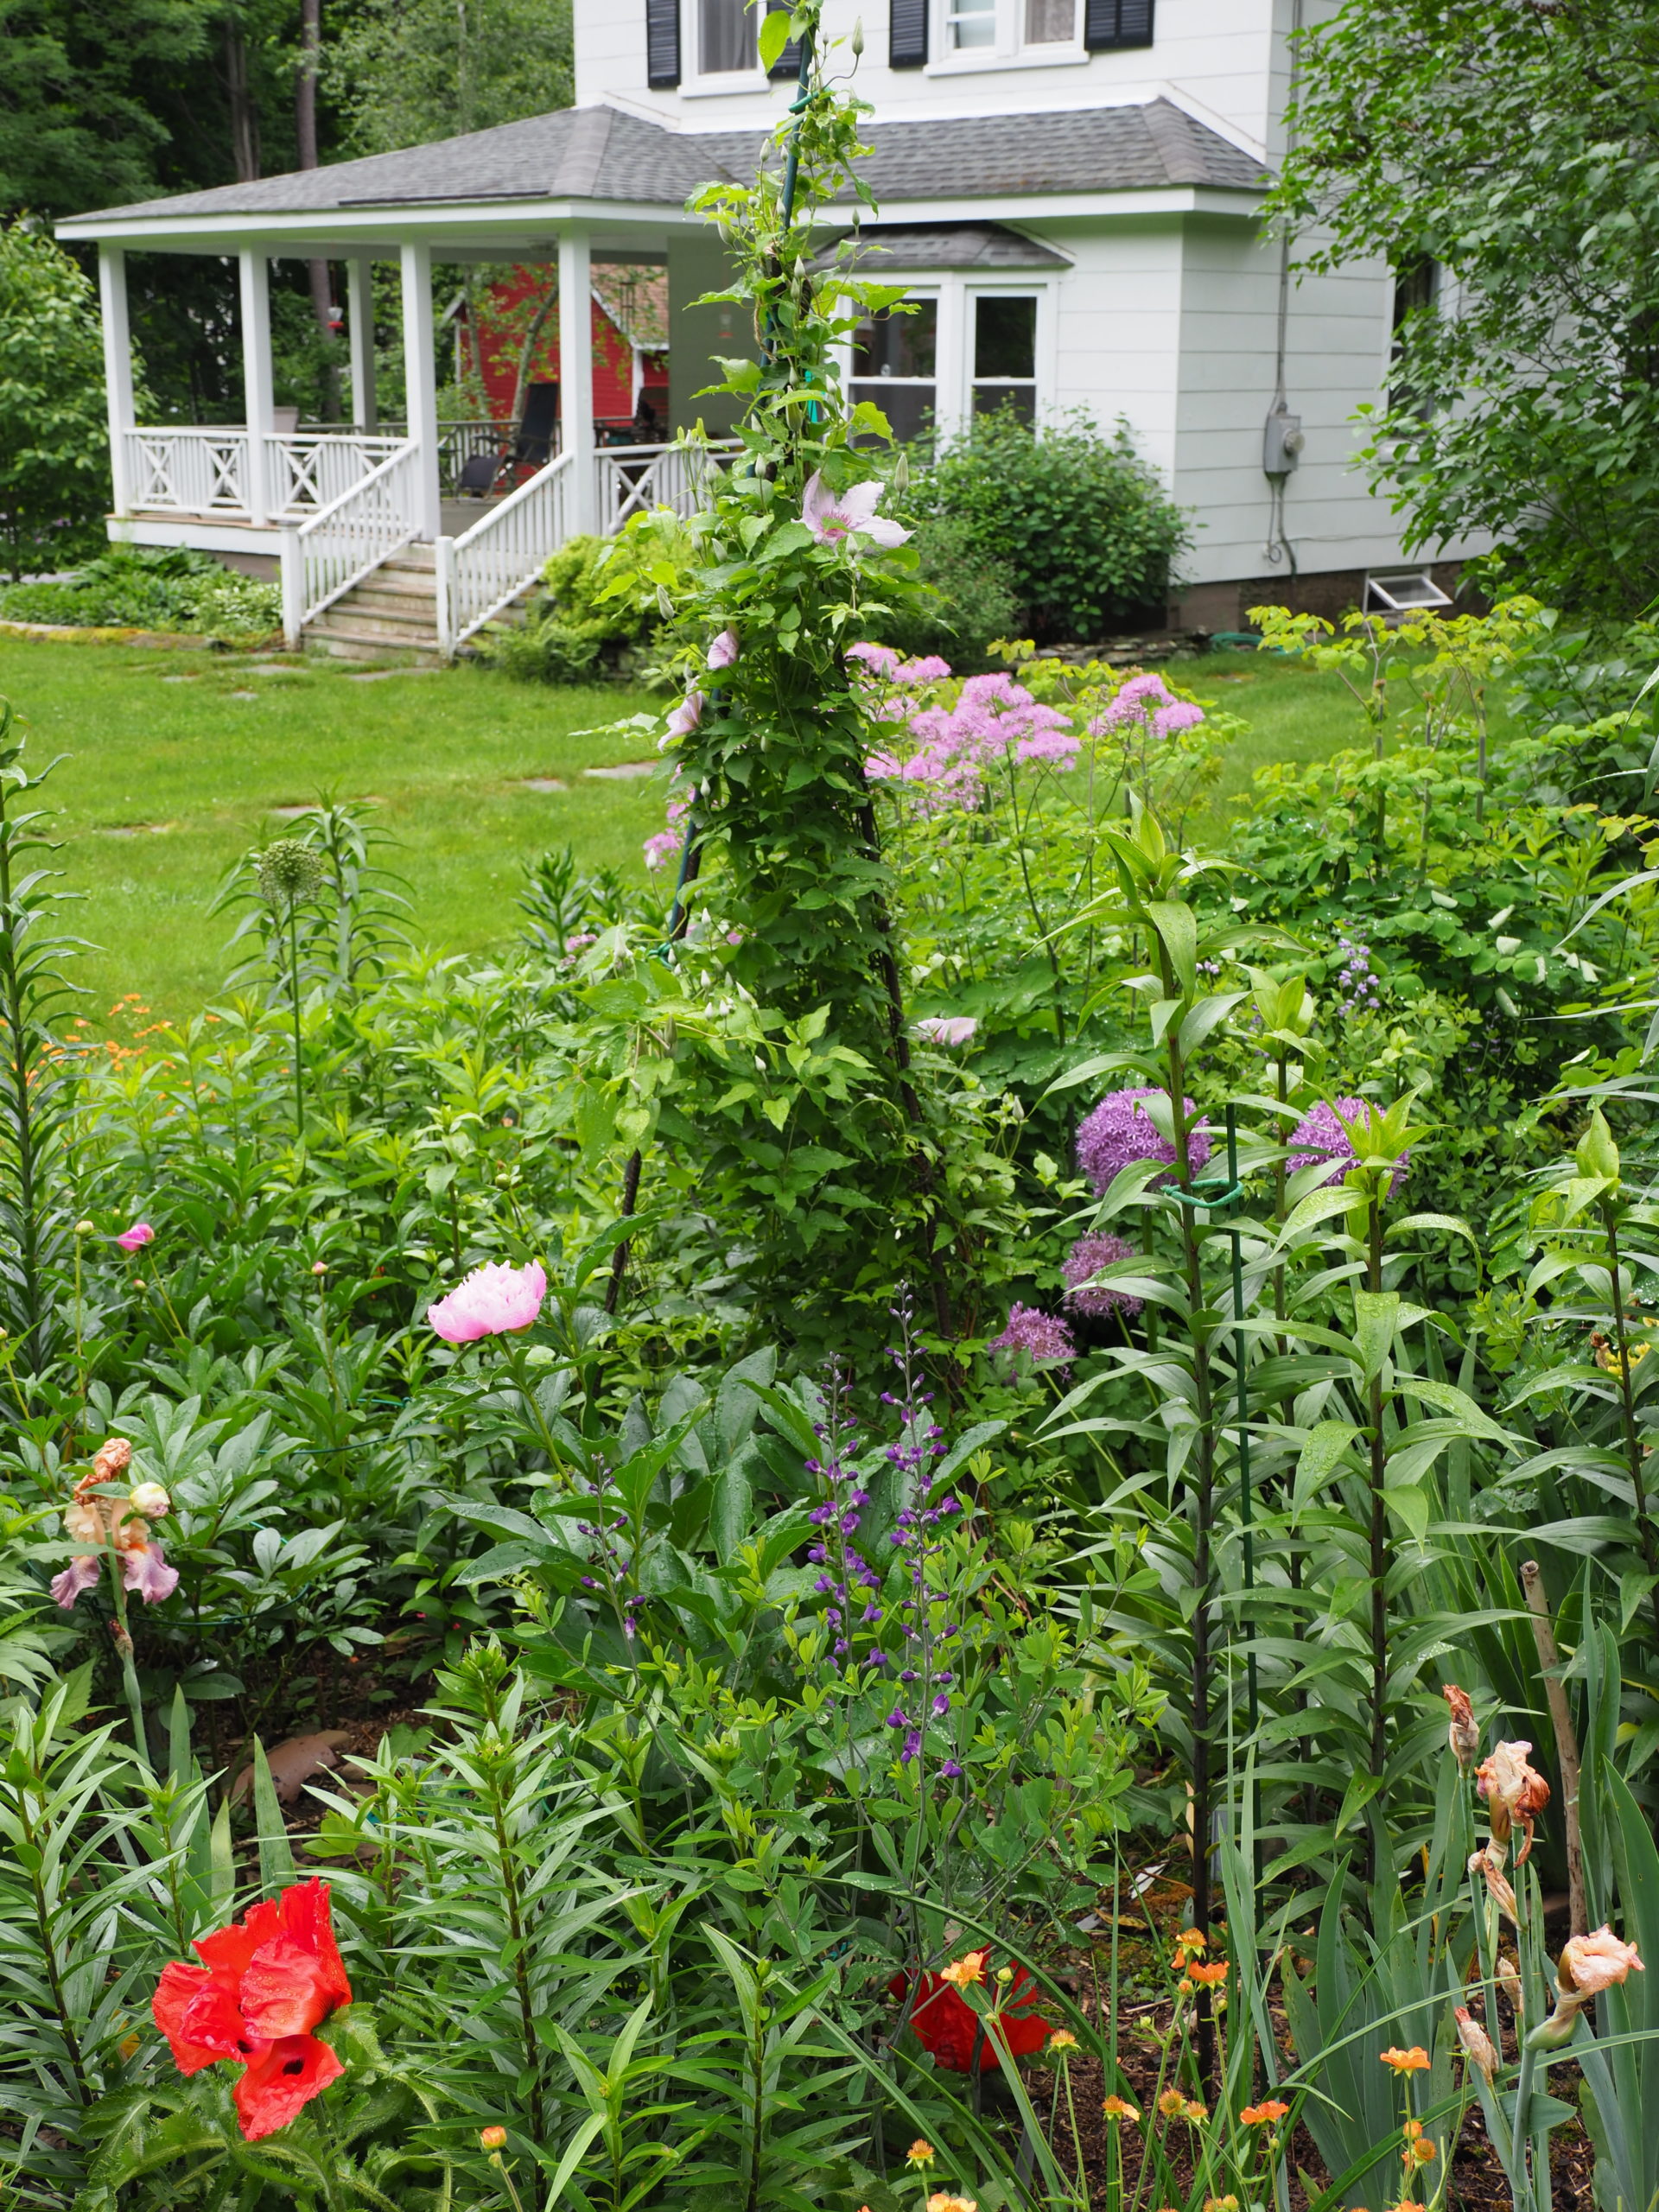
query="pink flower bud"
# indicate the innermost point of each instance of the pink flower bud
(1476, 2044)
(135, 1239)
(724, 650)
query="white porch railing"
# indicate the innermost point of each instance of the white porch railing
(204, 471)
(486, 567)
(633, 480)
(324, 557)
(187, 472)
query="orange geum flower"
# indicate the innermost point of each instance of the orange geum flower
(962, 1972)
(1192, 1939)
(1062, 2039)
(1414, 2061)
(920, 2153)
(1422, 2153)
(1259, 2115)
(1197, 2112)
(1221, 2204)
(942, 2201)
(1212, 1977)
(1116, 2108)
(1407, 2204)
(1172, 2104)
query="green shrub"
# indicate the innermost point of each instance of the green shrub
(1074, 520)
(605, 601)
(140, 588)
(54, 475)
(976, 600)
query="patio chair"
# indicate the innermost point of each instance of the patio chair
(533, 447)
(478, 475)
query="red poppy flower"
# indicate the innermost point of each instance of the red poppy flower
(946, 2025)
(264, 1983)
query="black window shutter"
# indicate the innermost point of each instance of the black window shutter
(908, 34)
(1110, 23)
(788, 63)
(661, 43)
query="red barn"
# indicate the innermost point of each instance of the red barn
(630, 341)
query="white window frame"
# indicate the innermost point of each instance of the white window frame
(696, 83)
(956, 291)
(1007, 50)
(926, 289)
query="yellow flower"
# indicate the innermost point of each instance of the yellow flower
(965, 1971)
(1192, 1939)
(1197, 2112)
(920, 2153)
(942, 2202)
(1221, 2204)
(1172, 2104)
(1117, 2108)
(1062, 2039)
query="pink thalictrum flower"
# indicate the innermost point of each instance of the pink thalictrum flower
(136, 1238)
(662, 849)
(493, 1298)
(80, 1574)
(834, 516)
(724, 650)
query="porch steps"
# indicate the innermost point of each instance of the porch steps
(392, 613)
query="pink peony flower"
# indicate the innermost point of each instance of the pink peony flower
(1084, 1262)
(947, 1028)
(724, 650)
(1590, 1964)
(686, 717)
(833, 518)
(1121, 1130)
(136, 1238)
(493, 1298)
(80, 1574)
(144, 1570)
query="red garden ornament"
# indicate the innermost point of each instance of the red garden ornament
(946, 2025)
(265, 1983)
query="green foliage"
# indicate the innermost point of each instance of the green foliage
(974, 604)
(54, 431)
(1073, 521)
(144, 588)
(405, 72)
(605, 602)
(1513, 150)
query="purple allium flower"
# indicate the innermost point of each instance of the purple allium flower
(1044, 1336)
(1319, 1136)
(1121, 1130)
(1083, 1263)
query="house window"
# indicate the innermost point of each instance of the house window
(1005, 354)
(725, 38)
(1416, 286)
(895, 363)
(1003, 30)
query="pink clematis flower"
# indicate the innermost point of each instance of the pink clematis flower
(492, 1299)
(833, 517)
(948, 1029)
(136, 1238)
(686, 717)
(724, 650)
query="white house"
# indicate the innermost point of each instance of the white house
(1070, 187)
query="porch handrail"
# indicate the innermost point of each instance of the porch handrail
(339, 545)
(487, 566)
(634, 479)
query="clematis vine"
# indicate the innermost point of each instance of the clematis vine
(833, 517)
(264, 1985)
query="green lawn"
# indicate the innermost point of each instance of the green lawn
(178, 760)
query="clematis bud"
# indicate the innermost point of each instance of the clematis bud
(1477, 2046)
(1463, 1734)
(724, 650)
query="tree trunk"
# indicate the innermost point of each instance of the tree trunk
(245, 116)
(305, 122)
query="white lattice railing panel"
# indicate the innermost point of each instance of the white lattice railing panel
(340, 543)
(309, 470)
(633, 480)
(486, 567)
(188, 471)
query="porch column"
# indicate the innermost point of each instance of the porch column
(253, 270)
(420, 384)
(576, 375)
(360, 324)
(117, 369)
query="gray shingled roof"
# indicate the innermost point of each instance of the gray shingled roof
(947, 245)
(599, 153)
